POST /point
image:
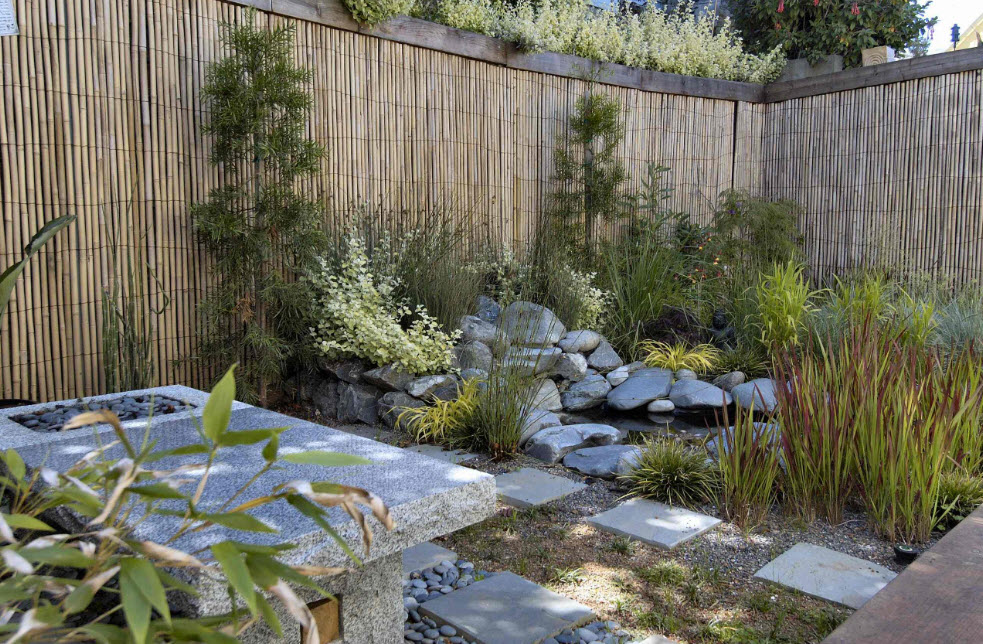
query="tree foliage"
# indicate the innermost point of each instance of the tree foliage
(814, 29)
(261, 225)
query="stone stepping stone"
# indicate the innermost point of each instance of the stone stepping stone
(658, 639)
(827, 574)
(530, 487)
(654, 523)
(425, 555)
(506, 609)
(452, 456)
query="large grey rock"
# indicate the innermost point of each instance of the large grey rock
(589, 392)
(730, 380)
(388, 378)
(571, 366)
(529, 324)
(528, 487)
(604, 358)
(357, 403)
(581, 341)
(394, 403)
(474, 374)
(424, 388)
(347, 370)
(324, 397)
(607, 461)
(696, 395)
(553, 443)
(477, 330)
(642, 387)
(686, 374)
(488, 309)
(530, 361)
(654, 523)
(536, 420)
(759, 393)
(474, 355)
(827, 574)
(506, 609)
(545, 395)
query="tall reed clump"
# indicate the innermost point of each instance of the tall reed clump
(748, 458)
(784, 305)
(498, 416)
(815, 413)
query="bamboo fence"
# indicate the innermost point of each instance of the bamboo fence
(102, 116)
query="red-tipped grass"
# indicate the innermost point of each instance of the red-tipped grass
(748, 458)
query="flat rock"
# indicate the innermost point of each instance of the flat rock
(425, 555)
(506, 609)
(452, 456)
(474, 355)
(661, 407)
(618, 376)
(581, 341)
(530, 361)
(531, 325)
(604, 358)
(696, 395)
(346, 370)
(570, 366)
(642, 387)
(530, 487)
(730, 380)
(607, 461)
(759, 393)
(686, 374)
(387, 378)
(654, 523)
(590, 392)
(474, 329)
(827, 574)
(545, 395)
(424, 388)
(553, 443)
(535, 421)
(474, 374)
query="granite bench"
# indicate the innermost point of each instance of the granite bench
(426, 497)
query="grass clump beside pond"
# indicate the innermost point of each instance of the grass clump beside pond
(670, 472)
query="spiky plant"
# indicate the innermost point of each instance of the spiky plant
(670, 472)
(701, 358)
(261, 227)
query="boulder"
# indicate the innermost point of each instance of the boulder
(635, 366)
(324, 397)
(570, 366)
(423, 388)
(580, 341)
(388, 378)
(730, 380)
(696, 395)
(589, 392)
(686, 374)
(394, 403)
(474, 329)
(545, 395)
(528, 324)
(357, 403)
(618, 376)
(474, 355)
(488, 309)
(760, 393)
(531, 362)
(604, 358)
(536, 420)
(642, 387)
(347, 370)
(474, 374)
(661, 407)
(553, 443)
(607, 461)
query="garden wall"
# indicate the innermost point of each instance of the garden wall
(102, 118)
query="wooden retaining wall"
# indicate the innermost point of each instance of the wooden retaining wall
(101, 117)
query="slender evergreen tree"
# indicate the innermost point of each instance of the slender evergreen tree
(262, 225)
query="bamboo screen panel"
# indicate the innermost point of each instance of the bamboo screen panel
(888, 176)
(101, 117)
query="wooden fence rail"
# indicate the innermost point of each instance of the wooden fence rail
(101, 117)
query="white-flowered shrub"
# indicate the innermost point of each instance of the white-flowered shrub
(357, 316)
(479, 16)
(593, 302)
(371, 12)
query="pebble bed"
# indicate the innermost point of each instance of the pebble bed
(445, 578)
(126, 408)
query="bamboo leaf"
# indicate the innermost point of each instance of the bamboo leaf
(218, 409)
(26, 522)
(140, 577)
(236, 572)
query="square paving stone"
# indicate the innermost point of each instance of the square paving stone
(827, 574)
(530, 487)
(425, 555)
(507, 609)
(452, 456)
(654, 523)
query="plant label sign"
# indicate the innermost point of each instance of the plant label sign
(8, 21)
